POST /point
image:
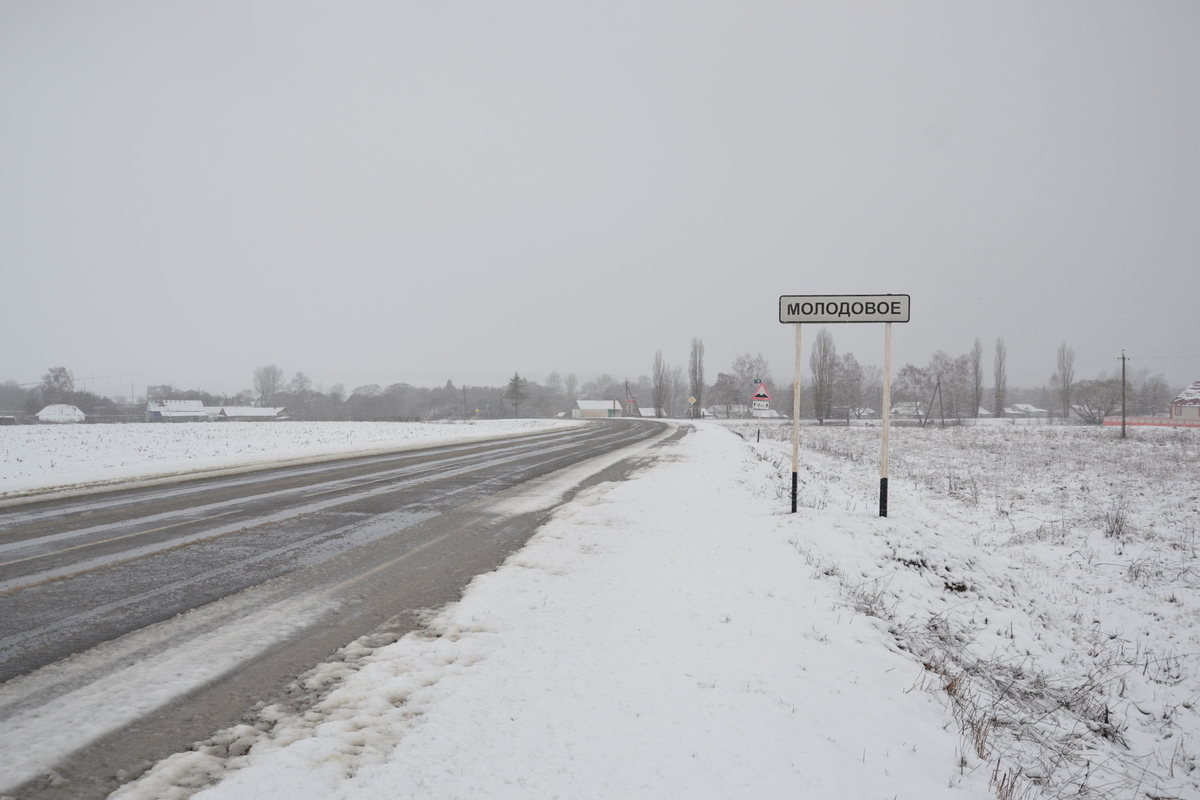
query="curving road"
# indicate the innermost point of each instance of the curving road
(153, 617)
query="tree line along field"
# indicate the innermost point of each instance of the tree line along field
(835, 386)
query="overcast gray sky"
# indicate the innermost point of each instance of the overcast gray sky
(374, 193)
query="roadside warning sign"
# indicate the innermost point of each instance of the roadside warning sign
(761, 393)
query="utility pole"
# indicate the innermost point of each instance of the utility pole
(464, 401)
(1123, 359)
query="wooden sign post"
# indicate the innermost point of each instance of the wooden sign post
(826, 309)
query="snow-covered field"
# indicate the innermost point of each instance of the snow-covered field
(1025, 623)
(37, 458)
(1046, 576)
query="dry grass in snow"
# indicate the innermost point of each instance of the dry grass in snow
(1045, 576)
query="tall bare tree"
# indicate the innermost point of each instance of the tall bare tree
(1000, 375)
(268, 381)
(824, 364)
(1066, 377)
(1098, 399)
(676, 387)
(976, 359)
(850, 385)
(696, 372)
(660, 387)
(57, 386)
(747, 368)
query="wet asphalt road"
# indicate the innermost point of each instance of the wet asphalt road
(366, 541)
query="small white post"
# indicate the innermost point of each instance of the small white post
(796, 422)
(887, 418)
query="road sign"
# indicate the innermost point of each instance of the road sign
(760, 405)
(761, 393)
(827, 308)
(691, 401)
(824, 309)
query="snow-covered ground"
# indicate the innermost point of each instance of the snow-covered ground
(38, 458)
(660, 637)
(1046, 576)
(1024, 624)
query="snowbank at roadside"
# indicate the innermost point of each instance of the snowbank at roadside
(660, 637)
(37, 458)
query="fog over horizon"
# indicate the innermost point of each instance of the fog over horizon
(402, 192)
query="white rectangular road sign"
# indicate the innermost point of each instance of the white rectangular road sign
(825, 309)
(760, 405)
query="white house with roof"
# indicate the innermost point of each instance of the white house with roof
(596, 409)
(176, 411)
(1187, 405)
(60, 413)
(909, 409)
(1026, 411)
(246, 413)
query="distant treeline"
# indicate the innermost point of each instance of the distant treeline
(836, 386)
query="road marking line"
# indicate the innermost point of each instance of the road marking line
(115, 539)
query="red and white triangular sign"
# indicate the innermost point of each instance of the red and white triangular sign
(761, 393)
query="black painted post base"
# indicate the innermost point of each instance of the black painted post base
(794, 485)
(883, 497)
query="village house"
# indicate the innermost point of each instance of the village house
(176, 411)
(1026, 411)
(245, 413)
(592, 409)
(60, 413)
(1187, 405)
(729, 411)
(909, 409)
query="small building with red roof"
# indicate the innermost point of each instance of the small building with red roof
(1187, 405)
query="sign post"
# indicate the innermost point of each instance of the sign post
(826, 309)
(760, 401)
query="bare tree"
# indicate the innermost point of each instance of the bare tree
(301, 384)
(850, 385)
(953, 375)
(268, 381)
(1098, 399)
(824, 364)
(913, 384)
(976, 359)
(661, 379)
(746, 369)
(1000, 375)
(872, 391)
(1152, 393)
(696, 372)
(676, 387)
(1066, 376)
(571, 386)
(57, 386)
